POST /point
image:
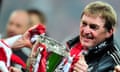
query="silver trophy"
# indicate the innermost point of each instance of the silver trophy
(58, 50)
(53, 45)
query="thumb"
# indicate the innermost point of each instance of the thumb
(117, 68)
(82, 58)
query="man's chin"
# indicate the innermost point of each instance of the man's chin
(85, 45)
(10, 35)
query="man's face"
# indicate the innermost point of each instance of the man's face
(17, 24)
(92, 31)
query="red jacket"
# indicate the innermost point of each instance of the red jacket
(6, 56)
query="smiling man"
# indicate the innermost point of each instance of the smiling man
(93, 50)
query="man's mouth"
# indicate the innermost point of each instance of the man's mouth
(10, 34)
(88, 36)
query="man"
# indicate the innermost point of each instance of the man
(18, 23)
(35, 17)
(93, 50)
(6, 55)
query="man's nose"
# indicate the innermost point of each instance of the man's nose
(12, 28)
(87, 29)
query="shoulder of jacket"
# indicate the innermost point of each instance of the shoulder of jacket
(71, 42)
(114, 52)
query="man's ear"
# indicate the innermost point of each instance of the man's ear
(110, 32)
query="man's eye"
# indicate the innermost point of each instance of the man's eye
(84, 23)
(18, 25)
(93, 26)
(10, 23)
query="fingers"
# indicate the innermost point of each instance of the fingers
(81, 65)
(19, 43)
(117, 68)
(26, 42)
(22, 42)
(82, 59)
(13, 69)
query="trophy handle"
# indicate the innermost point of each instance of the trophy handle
(32, 58)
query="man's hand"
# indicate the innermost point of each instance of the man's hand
(81, 65)
(13, 69)
(36, 29)
(22, 42)
(117, 68)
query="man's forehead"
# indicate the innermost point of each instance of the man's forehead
(93, 19)
(19, 14)
(99, 15)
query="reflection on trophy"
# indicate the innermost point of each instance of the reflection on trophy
(56, 52)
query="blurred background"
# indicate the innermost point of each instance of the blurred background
(63, 16)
